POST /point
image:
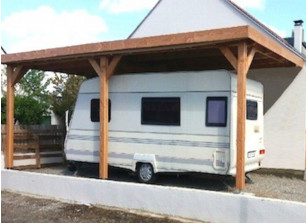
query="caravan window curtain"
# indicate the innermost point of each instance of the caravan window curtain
(160, 111)
(216, 112)
(251, 110)
(95, 110)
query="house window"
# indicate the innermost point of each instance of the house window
(251, 110)
(95, 108)
(216, 113)
(160, 111)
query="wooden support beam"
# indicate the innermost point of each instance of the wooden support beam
(112, 66)
(229, 56)
(104, 97)
(241, 115)
(250, 57)
(19, 72)
(9, 150)
(95, 66)
(269, 54)
(102, 70)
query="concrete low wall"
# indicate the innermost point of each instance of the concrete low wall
(187, 203)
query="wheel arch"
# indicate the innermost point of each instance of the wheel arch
(144, 158)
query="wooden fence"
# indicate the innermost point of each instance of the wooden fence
(36, 145)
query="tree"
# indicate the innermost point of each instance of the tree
(33, 85)
(3, 79)
(32, 103)
(29, 111)
(65, 93)
(3, 110)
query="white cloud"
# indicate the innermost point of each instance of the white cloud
(119, 6)
(255, 4)
(45, 28)
(281, 33)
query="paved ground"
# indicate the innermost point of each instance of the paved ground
(18, 208)
(285, 186)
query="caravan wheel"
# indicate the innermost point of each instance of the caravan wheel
(71, 166)
(145, 173)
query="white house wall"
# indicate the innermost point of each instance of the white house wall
(284, 119)
(177, 16)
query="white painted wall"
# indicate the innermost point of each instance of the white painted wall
(285, 116)
(178, 16)
(187, 203)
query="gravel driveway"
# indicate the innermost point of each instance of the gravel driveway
(281, 186)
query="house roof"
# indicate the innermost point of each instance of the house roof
(290, 40)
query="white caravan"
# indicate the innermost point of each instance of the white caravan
(168, 122)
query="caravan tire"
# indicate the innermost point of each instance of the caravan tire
(145, 173)
(71, 166)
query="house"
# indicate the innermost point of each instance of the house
(284, 88)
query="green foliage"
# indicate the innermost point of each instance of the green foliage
(65, 94)
(27, 110)
(33, 103)
(3, 79)
(33, 85)
(3, 110)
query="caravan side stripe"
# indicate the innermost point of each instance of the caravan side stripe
(154, 141)
(162, 159)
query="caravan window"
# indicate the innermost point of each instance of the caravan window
(160, 111)
(251, 110)
(216, 113)
(95, 117)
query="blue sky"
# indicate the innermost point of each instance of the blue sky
(35, 24)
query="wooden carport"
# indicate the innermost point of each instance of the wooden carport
(235, 48)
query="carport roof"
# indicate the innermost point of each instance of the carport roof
(185, 51)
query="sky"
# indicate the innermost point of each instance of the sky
(39, 24)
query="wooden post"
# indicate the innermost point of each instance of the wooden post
(241, 115)
(104, 97)
(104, 70)
(241, 65)
(9, 151)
